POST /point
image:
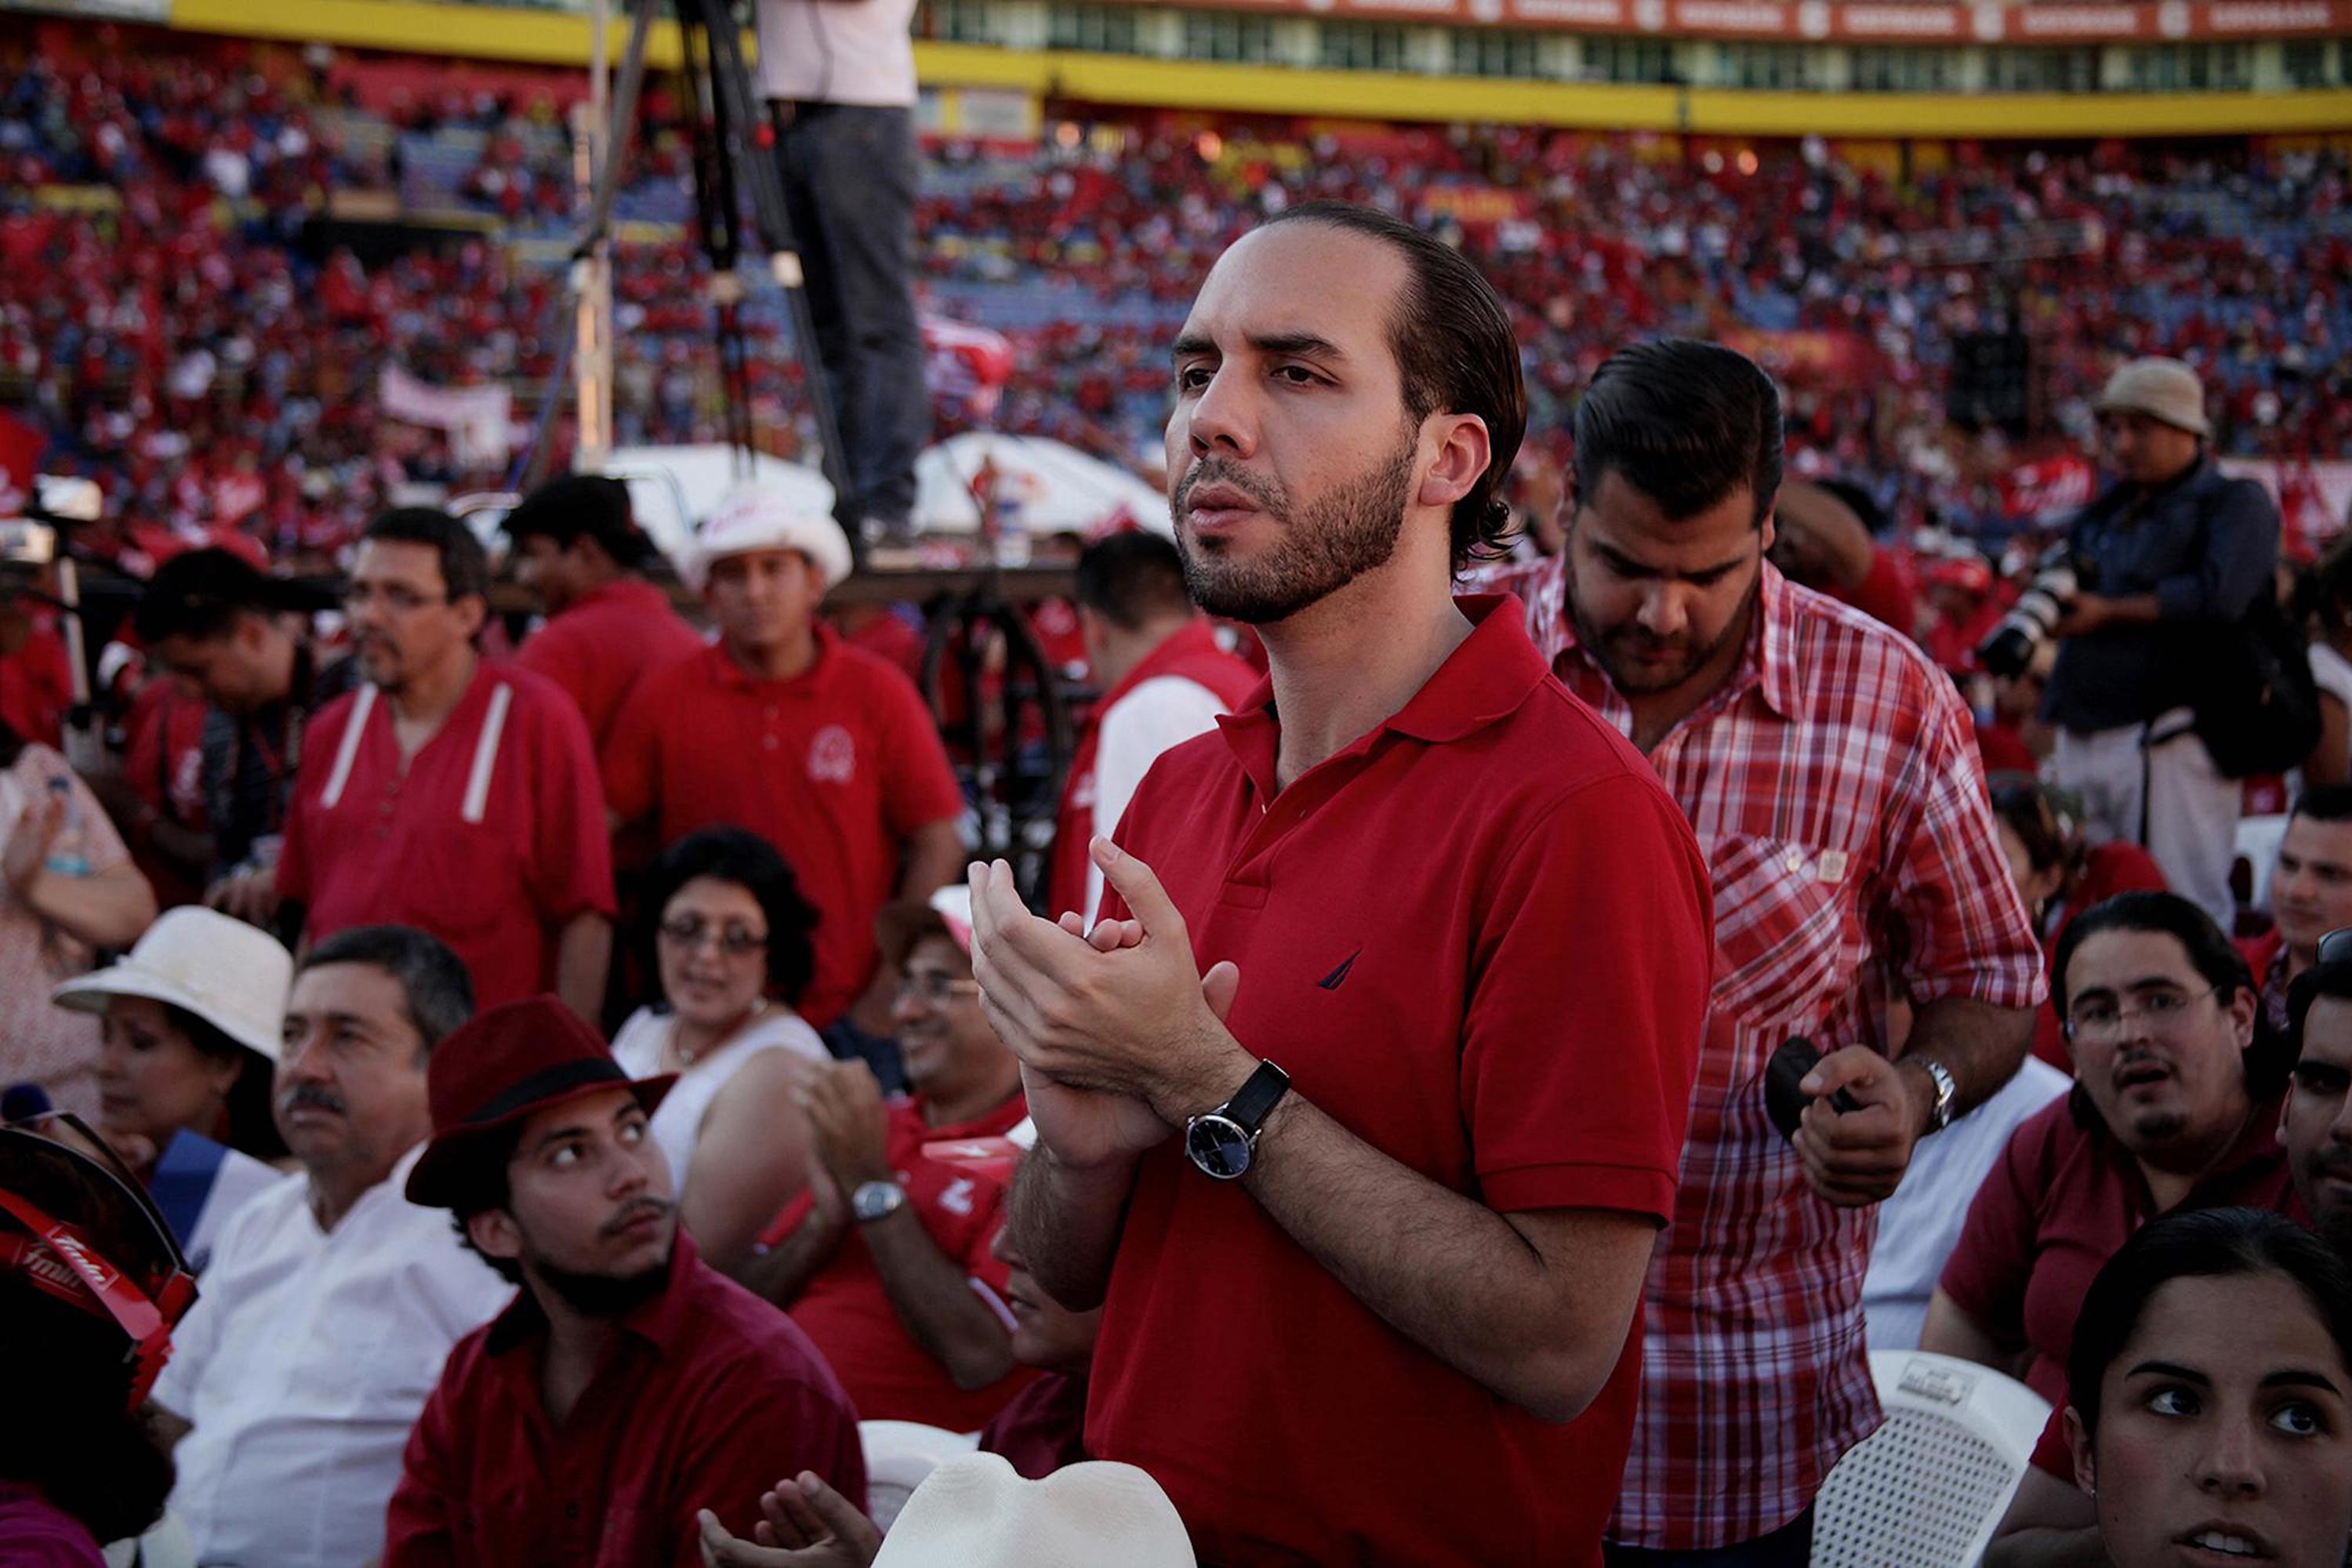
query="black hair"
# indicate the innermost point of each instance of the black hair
(202, 595)
(1132, 577)
(582, 506)
(12, 744)
(435, 984)
(480, 1174)
(2202, 1244)
(1688, 423)
(252, 1128)
(1455, 353)
(2323, 803)
(465, 566)
(2320, 980)
(2214, 956)
(737, 854)
(2020, 801)
(73, 1439)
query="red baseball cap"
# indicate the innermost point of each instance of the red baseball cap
(501, 1066)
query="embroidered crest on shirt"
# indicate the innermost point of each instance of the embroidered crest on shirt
(832, 756)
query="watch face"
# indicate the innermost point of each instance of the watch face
(1218, 1146)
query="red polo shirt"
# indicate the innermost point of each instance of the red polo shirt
(2059, 1203)
(846, 1310)
(1478, 937)
(707, 1396)
(602, 642)
(836, 768)
(492, 840)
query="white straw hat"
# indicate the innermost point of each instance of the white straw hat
(232, 975)
(977, 1513)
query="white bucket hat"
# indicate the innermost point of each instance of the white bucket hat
(230, 974)
(2165, 389)
(977, 1513)
(755, 517)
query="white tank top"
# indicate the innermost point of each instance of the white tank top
(638, 1049)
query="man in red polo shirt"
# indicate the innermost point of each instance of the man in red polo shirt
(1163, 680)
(1379, 1308)
(825, 751)
(450, 794)
(578, 547)
(1828, 769)
(630, 1386)
(2311, 894)
(885, 1259)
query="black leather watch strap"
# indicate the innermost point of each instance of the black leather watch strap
(1257, 1097)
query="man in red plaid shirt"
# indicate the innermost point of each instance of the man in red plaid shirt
(1830, 773)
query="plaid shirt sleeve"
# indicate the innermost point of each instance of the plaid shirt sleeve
(1963, 928)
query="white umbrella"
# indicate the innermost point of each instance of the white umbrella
(673, 488)
(1055, 489)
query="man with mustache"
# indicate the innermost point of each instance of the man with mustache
(1832, 775)
(331, 1300)
(630, 1386)
(450, 794)
(1457, 911)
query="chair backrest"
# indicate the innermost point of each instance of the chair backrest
(898, 1455)
(1927, 1489)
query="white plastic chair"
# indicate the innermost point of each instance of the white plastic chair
(898, 1455)
(1926, 1490)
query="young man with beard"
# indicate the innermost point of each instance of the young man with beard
(448, 794)
(1376, 1303)
(1832, 776)
(630, 1386)
(331, 1300)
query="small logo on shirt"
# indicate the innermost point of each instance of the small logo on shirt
(832, 756)
(1338, 977)
(956, 1199)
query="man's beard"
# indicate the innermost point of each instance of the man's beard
(1352, 531)
(1612, 649)
(603, 1295)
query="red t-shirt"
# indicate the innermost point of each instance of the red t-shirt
(1479, 937)
(36, 687)
(1884, 594)
(846, 1312)
(1042, 1429)
(708, 1396)
(836, 768)
(600, 645)
(492, 841)
(2058, 1203)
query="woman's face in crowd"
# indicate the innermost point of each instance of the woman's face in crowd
(2224, 1432)
(151, 1082)
(714, 951)
(2156, 1046)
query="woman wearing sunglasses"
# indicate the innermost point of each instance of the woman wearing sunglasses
(729, 939)
(91, 1287)
(188, 1040)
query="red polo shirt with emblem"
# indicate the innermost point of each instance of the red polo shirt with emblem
(600, 645)
(2063, 1198)
(707, 1394)
(834, 767)
(845, 1309)
(1478, 937)
(492, 839)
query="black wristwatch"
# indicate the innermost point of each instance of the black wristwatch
(1220, 1141)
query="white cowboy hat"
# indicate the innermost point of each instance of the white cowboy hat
(977, 1513)
(230, 974)
(754, 516)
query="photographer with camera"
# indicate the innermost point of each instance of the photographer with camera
(2172, 563)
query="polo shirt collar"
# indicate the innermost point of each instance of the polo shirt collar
(662, 1322)
(733, 675)
(2257, 1144)
(1770, 662)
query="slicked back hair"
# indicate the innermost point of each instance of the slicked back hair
(1687, 423)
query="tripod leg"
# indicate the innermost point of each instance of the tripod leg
(625, 118)
(752, 153)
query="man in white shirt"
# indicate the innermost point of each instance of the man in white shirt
(331, 1300)
(1162, 678)
(842, 73)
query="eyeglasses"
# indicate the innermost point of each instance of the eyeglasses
(2101, 1021)
(395, 597)
(935, 988)
(689, 931)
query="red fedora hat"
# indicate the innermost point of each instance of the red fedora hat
(499, 1067)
